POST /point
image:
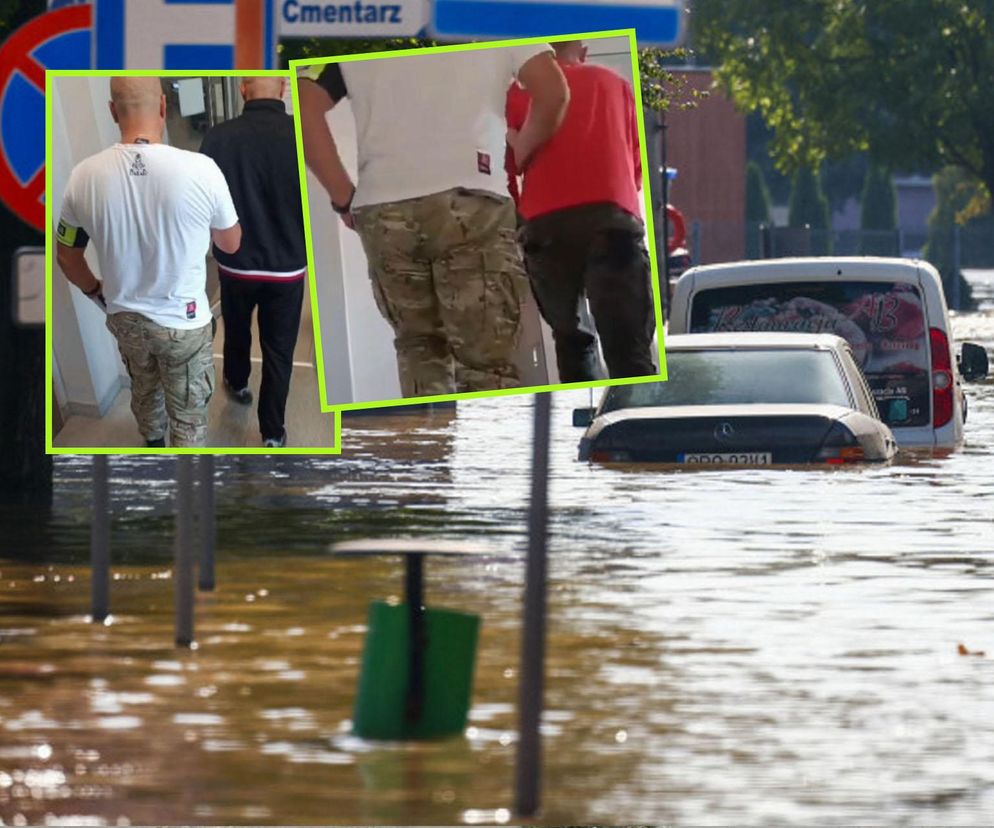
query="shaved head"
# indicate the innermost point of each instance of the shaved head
(135, 97)
(262, 87)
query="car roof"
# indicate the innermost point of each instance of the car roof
(765, 341)
(816, 268)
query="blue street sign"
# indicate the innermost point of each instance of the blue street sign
(655, 23)
(184, 34)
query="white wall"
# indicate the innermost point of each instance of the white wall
(356, 342)
(85, 354)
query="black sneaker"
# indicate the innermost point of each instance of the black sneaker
(160, 443)
(242, 396)
(275, 442)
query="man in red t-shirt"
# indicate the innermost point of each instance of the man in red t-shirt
(582, 231)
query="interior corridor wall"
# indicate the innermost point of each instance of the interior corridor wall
(85, 359)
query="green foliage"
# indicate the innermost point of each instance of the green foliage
(947, 225)
(907, 80)
(662, 88)
(808, 207)
(757, 196)
(878, 216)
(757, 209)
(14, 13)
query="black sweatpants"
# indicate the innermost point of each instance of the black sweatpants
(597, 250)
(279, 306)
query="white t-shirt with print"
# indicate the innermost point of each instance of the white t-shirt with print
(148, 210)
(430, 123)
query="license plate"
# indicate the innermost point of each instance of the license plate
(741, 458)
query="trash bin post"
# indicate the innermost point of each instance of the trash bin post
(100, 542)
(183, 551)
(414, 597)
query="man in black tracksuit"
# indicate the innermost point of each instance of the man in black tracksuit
(258, 155)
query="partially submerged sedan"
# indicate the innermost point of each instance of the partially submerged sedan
(742, 399)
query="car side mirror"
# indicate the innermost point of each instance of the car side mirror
(974, 363)
(582, 417)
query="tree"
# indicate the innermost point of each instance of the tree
(808, 207)
(878, 217)
(757, 196)
(757, 209)
(907, 80)
(953, 192)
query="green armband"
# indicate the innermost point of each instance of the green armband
(71, 236)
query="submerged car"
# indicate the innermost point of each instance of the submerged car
(742, 399)
(891, 311)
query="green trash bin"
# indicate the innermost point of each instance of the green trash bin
(387, 706)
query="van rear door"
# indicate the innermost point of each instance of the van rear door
(883, 321)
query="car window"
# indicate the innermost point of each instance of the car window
(742, 377)
(884, 323)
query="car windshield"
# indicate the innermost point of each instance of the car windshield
(740, 377)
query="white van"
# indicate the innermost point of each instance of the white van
(892, 312)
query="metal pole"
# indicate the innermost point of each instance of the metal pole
(183, 551)
(207, 523)
(100, 542)
(528, 771)
(414, 597)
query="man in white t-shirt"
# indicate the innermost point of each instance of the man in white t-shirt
(151, 211)
(431, 203)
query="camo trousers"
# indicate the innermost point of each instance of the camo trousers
(172, 377)
(448, 276)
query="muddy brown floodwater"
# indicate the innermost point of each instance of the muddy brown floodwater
(738, 646)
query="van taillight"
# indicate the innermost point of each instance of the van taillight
(942, 378)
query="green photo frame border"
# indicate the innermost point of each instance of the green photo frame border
(50, 76)
(296, 65)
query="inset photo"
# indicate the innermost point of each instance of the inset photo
(178, 315)
(478, 220)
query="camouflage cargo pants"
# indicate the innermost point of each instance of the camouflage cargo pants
(172, 377)
(447, 274)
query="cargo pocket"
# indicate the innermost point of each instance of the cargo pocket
(504, 283)
(199, 385)
(380, 297)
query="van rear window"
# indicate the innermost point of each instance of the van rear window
(883, 322)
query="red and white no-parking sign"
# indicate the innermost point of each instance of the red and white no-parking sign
(58, 39)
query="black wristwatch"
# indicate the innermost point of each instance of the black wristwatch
(95, 290)
(347, 208)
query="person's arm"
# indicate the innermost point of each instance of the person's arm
(228, 239)
(633, 131)
(70, 253)
(546, 85)
(320, 150)
(226, 230)
(511, 108)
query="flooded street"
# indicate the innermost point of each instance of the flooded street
(753, 646)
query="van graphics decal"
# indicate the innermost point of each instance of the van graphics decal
(884, 324)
